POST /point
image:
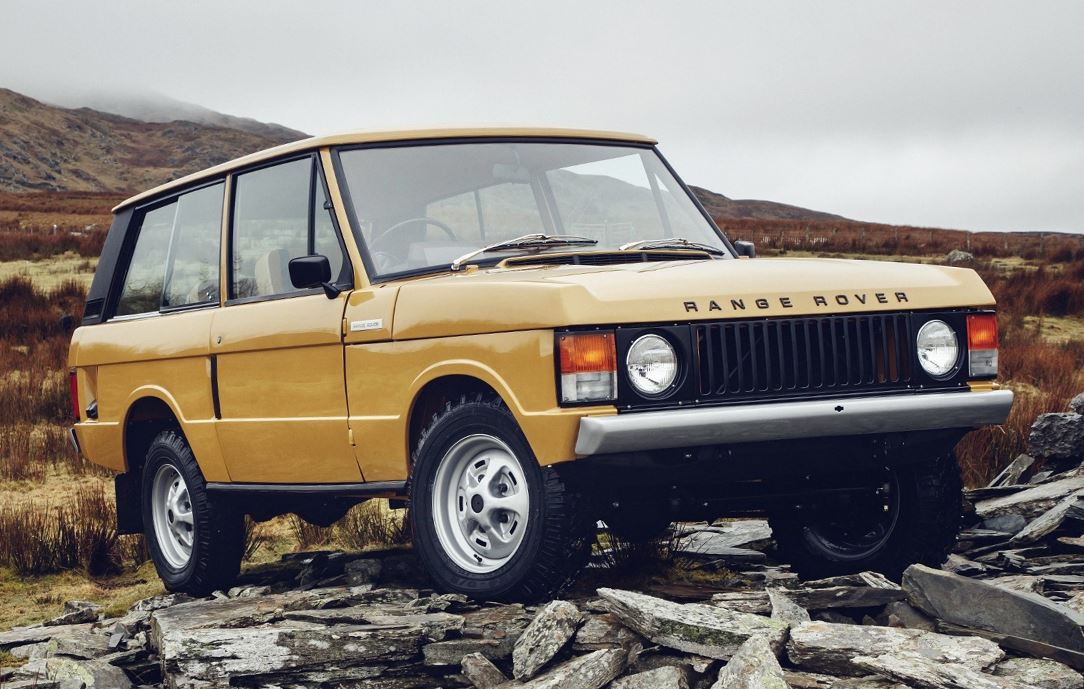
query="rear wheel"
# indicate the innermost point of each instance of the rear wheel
(487, 520)
(912, 518)
(195, 541)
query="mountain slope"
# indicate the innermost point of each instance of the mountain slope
(156, 107)
(46, 148)
(719, 206)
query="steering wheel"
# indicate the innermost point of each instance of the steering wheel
(425, 220)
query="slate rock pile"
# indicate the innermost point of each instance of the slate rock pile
(937, 630)
(1006, 611)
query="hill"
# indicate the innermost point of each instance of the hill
(47, 148)
(156, 107)
(719, 206)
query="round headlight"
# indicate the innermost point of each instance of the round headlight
(937, 348)
(652, 365)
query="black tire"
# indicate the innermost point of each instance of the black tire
(924, 529)
(557, 539)
(218, 532)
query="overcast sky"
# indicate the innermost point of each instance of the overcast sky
(951, 114)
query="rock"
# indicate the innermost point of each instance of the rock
(21, 636)
(711, 545)
(452, 652)
(1076, 603)
(76, 612)
(434, 625)
(667, 677)
(221, 654)
(1005, 523)
(752, 602)
(548, 632)
(1029, 503)
(591, 671)
(1011, 474)
(78, 674)
(1076, 405)
(914, 669)
(1048, 521)
(1025, 583)
(747, 533)
(785, 609)
(959, 257)
(1040, 673)
(248, 591)
(602, 631)
(902, 614)
(364, 571)
(1057, 436)
(158, 602)
(809, 680)
(829, 648)
(705, 630)
(977, 604)
(480, 672)
(754, 666)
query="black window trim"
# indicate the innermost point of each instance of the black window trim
(355, 227)
(131, 235)
(345, 279)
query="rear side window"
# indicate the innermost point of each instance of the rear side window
(142, 291)
(175, 259)
(279, 213)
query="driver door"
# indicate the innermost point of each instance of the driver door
(277, 350)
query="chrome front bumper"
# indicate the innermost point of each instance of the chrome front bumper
(753, 423)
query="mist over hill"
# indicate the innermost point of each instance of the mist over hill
(49, 148)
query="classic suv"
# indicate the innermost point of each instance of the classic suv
(515, 333)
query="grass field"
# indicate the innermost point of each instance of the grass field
(56, 536)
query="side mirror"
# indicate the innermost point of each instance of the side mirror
(313, 271)
(745, 249)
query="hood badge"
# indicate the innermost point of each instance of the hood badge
(817, 300)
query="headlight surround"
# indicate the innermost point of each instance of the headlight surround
(651, 365)
(938, 348)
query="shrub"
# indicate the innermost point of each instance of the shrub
(39, 539)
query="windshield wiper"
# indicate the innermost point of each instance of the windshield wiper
(672, 243)
(527, 241)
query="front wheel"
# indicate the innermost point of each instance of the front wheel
(195, 541)
(487, 520)
(914, 518)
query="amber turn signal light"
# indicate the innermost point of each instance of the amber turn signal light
(982, 344)
(588, 366)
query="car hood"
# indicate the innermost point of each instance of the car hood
(533, 297)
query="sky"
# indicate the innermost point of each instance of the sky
(936, 113)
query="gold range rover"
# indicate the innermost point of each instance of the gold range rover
(514, 333)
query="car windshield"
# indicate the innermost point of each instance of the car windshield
(421, 207)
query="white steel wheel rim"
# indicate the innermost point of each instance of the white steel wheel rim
(481, 503)
(171, 511)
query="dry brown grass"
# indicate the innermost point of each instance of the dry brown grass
(80, 534)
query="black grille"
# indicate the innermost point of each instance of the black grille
(835, 354)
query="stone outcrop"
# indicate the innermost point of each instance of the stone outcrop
(547, 634)
(706, 630)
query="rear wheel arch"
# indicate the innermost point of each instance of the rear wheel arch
(146, 418)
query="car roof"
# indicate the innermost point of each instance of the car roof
(364, 137)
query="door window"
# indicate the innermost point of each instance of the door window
(279, 213)
(192, 273)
